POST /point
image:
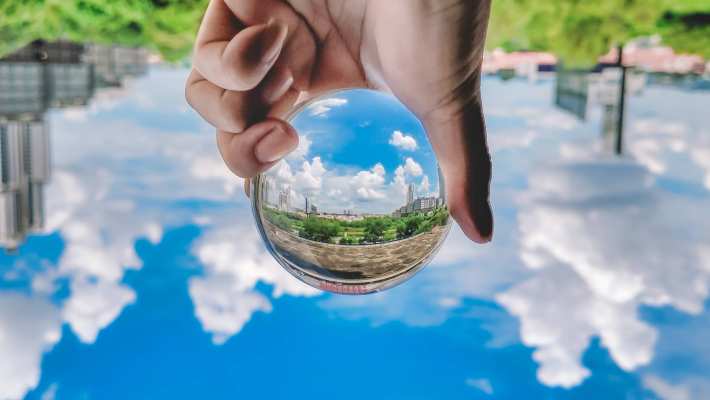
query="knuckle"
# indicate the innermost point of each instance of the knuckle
(240, 168)
(232, 123)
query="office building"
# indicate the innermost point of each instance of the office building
(25, 169)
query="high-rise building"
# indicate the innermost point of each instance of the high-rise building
(33, 79)
(410, 193)
(114, 63)
(442, 185)
(25, 169)
(284, 199)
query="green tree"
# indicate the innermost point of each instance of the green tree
(375, 229)
(580, 31)
(320, 229)
(425, 226)
(165, 26)
(409, 225)
(348, 240)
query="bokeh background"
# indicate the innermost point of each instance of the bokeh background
(132, 269)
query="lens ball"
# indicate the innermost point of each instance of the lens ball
(360, 205)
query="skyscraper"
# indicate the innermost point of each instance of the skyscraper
(25, 169)
(33, 79)
(442, 186)
(284, 199)
(410, 193)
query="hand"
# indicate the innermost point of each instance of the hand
(254, 59)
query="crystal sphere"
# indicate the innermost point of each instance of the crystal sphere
(359, 206)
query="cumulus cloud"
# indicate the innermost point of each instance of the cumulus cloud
(92, 306)
(28, 328)
(368, 184)
(424, 186)
(321, 108)
(335, 188)
(412, 167)
(402, 141)
(309, 178)
(665, 390)
(574, 227)
(304, 146)
(225, 297)
(112, 181)
(222, 307)
(558, 292)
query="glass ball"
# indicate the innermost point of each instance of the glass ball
(360, 205)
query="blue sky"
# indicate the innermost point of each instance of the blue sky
(359, 150)
(150, 280)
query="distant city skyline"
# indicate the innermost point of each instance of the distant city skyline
(360, 150)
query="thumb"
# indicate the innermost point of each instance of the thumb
(459, 141)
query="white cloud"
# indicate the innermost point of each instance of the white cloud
(484, 385)
(574, 226)
(402, 141)
(321, 108)
(211, 168)
(304, 146)
(309, 178)
(369, 184)
(222, 307)
(28, 328)
(92, 306)
(424, 185)
(225, 297)
(665, 390)
(559, 315)
(412, 167)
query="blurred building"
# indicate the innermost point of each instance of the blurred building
(648, 55)
(115, 63)
(346, 216)
(25, 169)
(442, 186)
(36, 78)
(528, 64)
(284, 204)
(60, 51)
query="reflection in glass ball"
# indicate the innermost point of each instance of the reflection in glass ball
(359, 206)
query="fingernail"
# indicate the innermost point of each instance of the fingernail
(275, 90)
(483, 220)
(272, 41)
(274, 146)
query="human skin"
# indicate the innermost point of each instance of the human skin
(255, 59)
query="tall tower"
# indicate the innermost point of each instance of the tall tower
(442, 186)
(24, 169)
(284, 199)
(410, 193)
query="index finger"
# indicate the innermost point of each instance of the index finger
(232, 55)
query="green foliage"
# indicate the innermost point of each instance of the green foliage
(369, 230)
(425, 226)
(440, 217)
(283, 220)
(577, 30)
(409, 225)
(348, 240)
(580, 31)
(320, 229)
(375, 229)
(165, 26)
